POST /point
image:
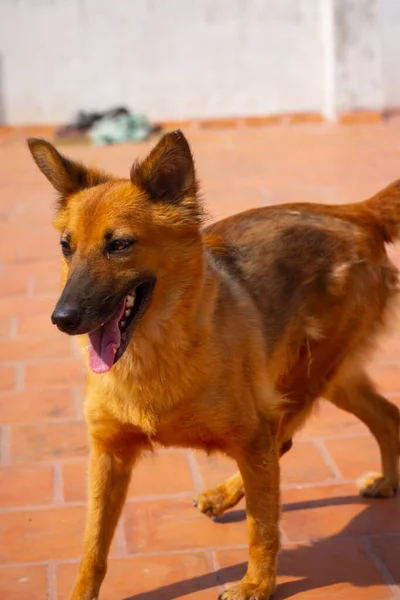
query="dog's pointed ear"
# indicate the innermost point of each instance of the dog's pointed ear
(168, 173)
(65, 175)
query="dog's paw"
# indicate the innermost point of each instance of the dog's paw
(213, 503)
(374, 485)
(247, 591)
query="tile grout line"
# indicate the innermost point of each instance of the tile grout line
(390, 362)
(334, 436)
(83, 458)
(51, 580)
(330, 462)
(194, 470)
(5, 445)
(195, 550)
(215, 566)
(83, 503)
(58, 493)
(20, 377)
(284, 538)
(383, 570)
(151, 497)
(30, 286)
(46, 421)
(182, 551)
(32, 337)
(78, 404)
(316, 484)
(36, 362)
(13, 328)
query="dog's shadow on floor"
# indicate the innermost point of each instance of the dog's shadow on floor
(305, 567)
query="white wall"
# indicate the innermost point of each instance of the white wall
(168, 58)
(176, 59)
(358, 60)
(389, 34)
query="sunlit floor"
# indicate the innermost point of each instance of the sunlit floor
(335, 544)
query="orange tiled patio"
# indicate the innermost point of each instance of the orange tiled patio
(335, 544)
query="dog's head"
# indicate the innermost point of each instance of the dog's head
(120, 240)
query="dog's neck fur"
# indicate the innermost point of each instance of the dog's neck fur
(177, 326)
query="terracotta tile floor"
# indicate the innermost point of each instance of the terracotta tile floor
(335, 544)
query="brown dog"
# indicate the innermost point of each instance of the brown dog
(220, 339)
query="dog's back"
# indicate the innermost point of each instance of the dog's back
(319, 277)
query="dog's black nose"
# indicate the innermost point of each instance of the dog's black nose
(66, 318)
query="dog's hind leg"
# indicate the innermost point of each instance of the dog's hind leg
(215, 502)
(357, 395)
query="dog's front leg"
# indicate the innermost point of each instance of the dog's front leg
(259, 466)
(109, 476)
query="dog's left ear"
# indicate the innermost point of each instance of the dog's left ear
(65, 175)
(168, 173)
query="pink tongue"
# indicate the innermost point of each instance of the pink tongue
(103, 341)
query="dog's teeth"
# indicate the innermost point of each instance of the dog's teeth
(127, 312)
(130, 301)
(123, 323)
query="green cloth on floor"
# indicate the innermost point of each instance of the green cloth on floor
(123, 128)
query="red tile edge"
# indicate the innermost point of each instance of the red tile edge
(252, 121)
(360, 117)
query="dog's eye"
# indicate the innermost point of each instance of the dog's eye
(119, 246)
(66, 248)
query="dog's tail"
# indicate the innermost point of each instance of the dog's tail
(384, 210)
(381, 212)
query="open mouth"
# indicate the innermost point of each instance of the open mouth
(108, 342)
